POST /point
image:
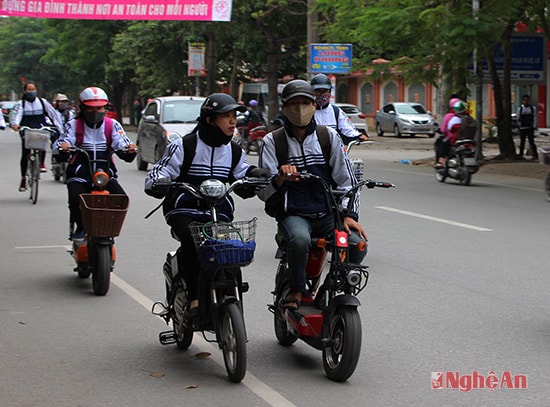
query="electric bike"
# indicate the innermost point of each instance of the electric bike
(327, 318)
(103, 215)
(460, 164)
(223, 248)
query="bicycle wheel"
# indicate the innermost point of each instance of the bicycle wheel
(233, 342)
(33, 169)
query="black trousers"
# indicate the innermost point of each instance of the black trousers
(530, 135)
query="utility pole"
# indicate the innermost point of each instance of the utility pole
(478, 69)
(312, 32)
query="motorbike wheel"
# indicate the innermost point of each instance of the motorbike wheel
(233, 342)
(284, 337)
(101, 276)
(440, 176)
(341, 351)
(466, 178)
(184, 334)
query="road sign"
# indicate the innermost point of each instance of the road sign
(528, 64)
(330, 58)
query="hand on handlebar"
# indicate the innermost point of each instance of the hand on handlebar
(132, 148)
(351, 224)
(64, 147)
(287, 172)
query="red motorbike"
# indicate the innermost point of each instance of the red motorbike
(327, 319)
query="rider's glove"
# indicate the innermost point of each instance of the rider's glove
(158, 190)
(258, 173)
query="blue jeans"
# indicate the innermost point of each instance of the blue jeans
(297, 232)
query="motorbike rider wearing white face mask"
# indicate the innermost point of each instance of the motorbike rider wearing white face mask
(330, 115)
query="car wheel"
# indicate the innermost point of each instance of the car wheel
(379, 130)
(396, 131)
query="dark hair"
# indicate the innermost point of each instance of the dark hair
(28, 83)
(526, 96)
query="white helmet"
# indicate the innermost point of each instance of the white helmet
(93, 96)
(60, 97)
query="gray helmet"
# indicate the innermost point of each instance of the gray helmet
(220, 103)
(321, 81)
(295, 88)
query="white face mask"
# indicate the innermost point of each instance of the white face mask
(299, 115)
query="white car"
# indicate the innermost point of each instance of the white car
(163, 119)
(405, 118)
(356, 116)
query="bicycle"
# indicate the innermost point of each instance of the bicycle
(37, 141)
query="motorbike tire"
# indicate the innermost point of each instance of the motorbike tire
(466, 178)
(101, 276)
(343, 347)
(184, 334)
(233, 342)
(284, 337)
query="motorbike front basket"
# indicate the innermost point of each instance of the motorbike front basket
(103, 214)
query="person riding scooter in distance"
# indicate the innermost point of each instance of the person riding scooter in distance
(300, 207)
(453, 127)
(98, 135)
(212, 155)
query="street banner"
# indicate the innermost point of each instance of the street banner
(331, 58)
(196, 65)
(196, 10)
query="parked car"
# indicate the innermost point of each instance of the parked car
(405, 118)
(356, 116)
(7, 108)
(164, 119)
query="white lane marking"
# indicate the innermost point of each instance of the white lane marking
(261, 389)
(434, 219)
(42, 247)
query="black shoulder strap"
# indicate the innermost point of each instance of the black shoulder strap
(324, 140)
(236, 152)
(281, 144)
(189, 148)
(43, 108)
(336, 115)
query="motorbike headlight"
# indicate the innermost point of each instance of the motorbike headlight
(354, 277)
(100, 179)
(213, 188)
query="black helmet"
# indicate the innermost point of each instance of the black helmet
(295, 88)
(321, 81)
(220, 103)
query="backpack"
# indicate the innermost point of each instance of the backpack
(281, 144)
(189, 150)
(468, 127)
(107, 129)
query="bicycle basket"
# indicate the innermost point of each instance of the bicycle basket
(224, 244)
(36, 139)
(103, 215)
(544, 155)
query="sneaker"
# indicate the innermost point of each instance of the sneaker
(78, 236)
(23, 185)
(43, 168)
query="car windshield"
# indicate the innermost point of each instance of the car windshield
(184, 111)
(350, 109)
(410, 109)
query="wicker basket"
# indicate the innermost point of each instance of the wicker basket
(36, 139)
(224, 244)
(544, 155)
(103, 215)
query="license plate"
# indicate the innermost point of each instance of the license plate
(470, 161)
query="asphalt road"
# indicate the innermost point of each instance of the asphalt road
(459, 285)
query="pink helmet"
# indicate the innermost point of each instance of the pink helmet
(94, 96)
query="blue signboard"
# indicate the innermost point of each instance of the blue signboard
(528, 62)
(330, 58)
